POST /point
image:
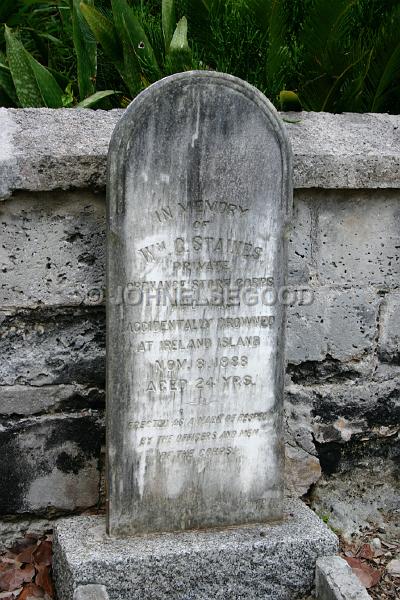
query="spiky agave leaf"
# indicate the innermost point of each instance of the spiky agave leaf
(34, 84)
(24, 80)
(137, 43)
(168, 21)
(85, 49)
(179, 57)
(50, 90)
(95, 98)
(131, 73)
(104, 32)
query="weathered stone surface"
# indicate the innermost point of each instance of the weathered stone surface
(302, 470)
(345, 151)
(52, 250)
(206, 189)
(339, 411)
(347, 406)
(18, 527)
(338, 323)
(91, 592)
(48, 347)
(330, 151)
(268, 562)
(334, 580)
(72, 153)
(27, 400)
(337, 424)
(360, 490)
(300, 248)
(389, 335)
(359, 239)
(50, 464)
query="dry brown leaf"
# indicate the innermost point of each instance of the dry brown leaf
(26, 555)
(368, 575)
(10, 561)
(43, 554)
(14, 576)
(366, 551)
(44, 580)
(31, 591)
(20, 545)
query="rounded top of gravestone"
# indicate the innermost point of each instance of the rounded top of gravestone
(243, 104)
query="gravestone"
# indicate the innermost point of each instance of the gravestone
(199, 199)
(199, 196)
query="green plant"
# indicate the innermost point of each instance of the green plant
(126, 44)
(336, 55)
(347, 55)
(26, 82)
(230, 36)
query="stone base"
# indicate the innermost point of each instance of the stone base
(274, 561)
(335, 580)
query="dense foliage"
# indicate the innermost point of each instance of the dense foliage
(334, 55)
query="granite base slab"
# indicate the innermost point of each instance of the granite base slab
(274, 561)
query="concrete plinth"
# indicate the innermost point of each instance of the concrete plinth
(269, 561)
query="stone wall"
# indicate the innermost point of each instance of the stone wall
(343, 375)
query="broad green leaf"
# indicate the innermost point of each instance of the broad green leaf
(168, 21)
(95, 99)
(61, 79)
(85, 49)
(104, 32)
(179, 57)
(50, 90)
(137, 38)
(34, 84)
(131, 73)
(179, 40)
(23, 77)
